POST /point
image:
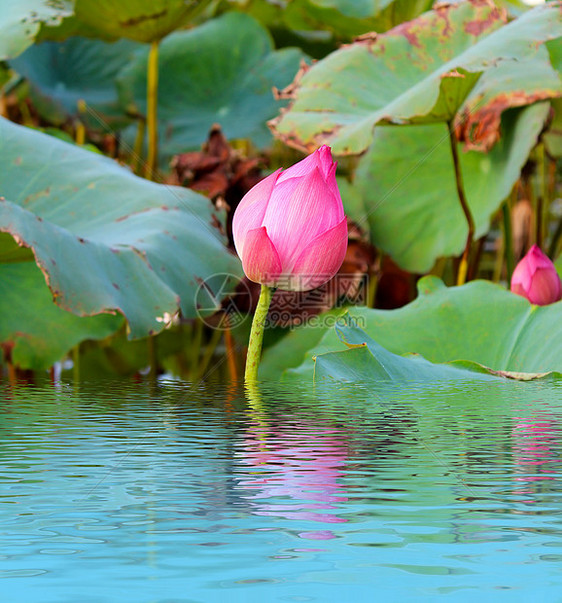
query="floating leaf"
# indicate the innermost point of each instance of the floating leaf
(221, 72)
(366, 360)
(61, 74)
(422, 72)
(408, 185)
(479, 322)
(34, 332)
(105, 239)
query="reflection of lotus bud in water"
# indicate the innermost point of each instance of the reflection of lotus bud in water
(535, 278)
(290, 229)
(295, 480)
(535, 450)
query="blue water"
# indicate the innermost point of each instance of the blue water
(176, 493)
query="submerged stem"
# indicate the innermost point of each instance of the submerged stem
(256, 335)
(463, 266)
(152, 110)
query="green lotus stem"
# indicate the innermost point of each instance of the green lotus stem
(463, 266)
(152, 110)
(372, 290)
(256, 335)
(80, 128)
(508, 240)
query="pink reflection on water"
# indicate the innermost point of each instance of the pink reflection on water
(535, 449)
(302, 465)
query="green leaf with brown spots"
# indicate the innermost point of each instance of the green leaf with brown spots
(24, 22)
(458, 62)
(106, 240)
(139, 20)
(21, 21)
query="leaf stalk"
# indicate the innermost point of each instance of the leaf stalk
(463, 266)
(256, 335)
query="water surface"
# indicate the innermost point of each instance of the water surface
(186, 493)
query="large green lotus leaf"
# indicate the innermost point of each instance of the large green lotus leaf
(27, 21)
(61, 74)
(221, 72)
(408, 185)
(104, 238)
(366, 360)
(139, 20)
(34, 330)
(21, 20)
(479, 322)
(422, 72)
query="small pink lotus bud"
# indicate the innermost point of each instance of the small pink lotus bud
(535, 278)
(290, 229)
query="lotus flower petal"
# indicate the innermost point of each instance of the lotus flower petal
(260, 259)
(286, 219)
(321, 158)
(321, 259)
(545, 288)
(535, 278)
(251, 210)
(295, 219)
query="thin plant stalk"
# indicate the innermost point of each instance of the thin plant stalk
(372, 287)
(463, 265)
(152, 110)
(80, 135)
(507, 240)
(256, 335)
(542, 196)
(476, 257)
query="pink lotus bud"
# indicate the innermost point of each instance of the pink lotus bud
(535, 278)
(290, 229)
